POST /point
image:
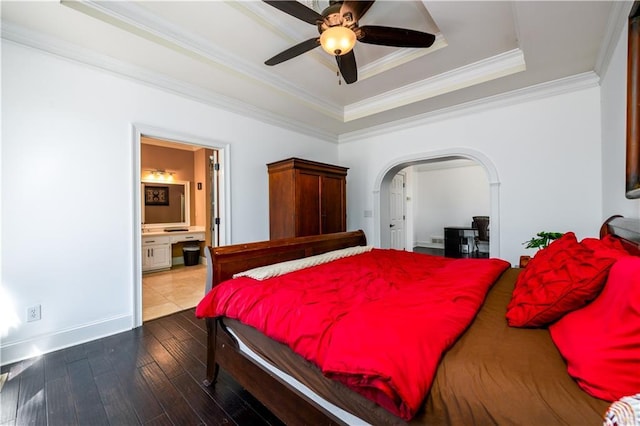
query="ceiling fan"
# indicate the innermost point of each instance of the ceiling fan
(339, 30)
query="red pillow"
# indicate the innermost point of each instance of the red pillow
(560, 278)
(607, 245)
(601, 342)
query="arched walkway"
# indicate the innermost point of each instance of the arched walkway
(383, 180)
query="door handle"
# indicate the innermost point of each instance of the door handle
(391, 225)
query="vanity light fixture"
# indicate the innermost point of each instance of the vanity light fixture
(160, 175)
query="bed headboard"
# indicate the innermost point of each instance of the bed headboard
(626, 230)
(223, 262)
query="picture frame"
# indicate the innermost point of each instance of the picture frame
(632, 172)
(156, 195)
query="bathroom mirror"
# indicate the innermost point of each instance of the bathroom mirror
(165, 204)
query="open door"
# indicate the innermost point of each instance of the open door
(214, 167)
(397, 212)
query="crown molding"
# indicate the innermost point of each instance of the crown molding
(74, 53)
(617, 22)
(479, 72)
(25, 37)
(159, 30)
(538, 91)
(137, 20)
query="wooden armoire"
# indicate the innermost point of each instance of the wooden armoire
(306, 198)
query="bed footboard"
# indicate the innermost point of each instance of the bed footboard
(279, 397)
(222, 349)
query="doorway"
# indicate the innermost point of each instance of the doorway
(447, 195)
(397, 215)
(162, 157)
(384, 182)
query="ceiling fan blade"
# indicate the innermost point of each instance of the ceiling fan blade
(398, 37)
(356, 8)
(294, 51)
(297, 10)
(347, 66)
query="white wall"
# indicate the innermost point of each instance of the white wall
(448, 197)
(67, 190)
(614, 111)
(546, 153)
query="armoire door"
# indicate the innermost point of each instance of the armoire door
(308, 204)
(332, 205)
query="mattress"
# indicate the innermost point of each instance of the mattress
(493, 374)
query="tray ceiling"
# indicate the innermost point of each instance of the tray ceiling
(214, 51)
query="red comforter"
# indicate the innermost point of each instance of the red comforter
(378, 322)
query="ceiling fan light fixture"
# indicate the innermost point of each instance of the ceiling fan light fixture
(337, 40)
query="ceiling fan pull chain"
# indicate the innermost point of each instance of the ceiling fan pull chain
(338, 71)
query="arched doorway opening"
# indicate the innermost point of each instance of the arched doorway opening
(383, 184)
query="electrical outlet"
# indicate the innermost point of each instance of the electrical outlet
(34, 313)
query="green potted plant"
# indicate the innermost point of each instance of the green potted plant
(541, 240)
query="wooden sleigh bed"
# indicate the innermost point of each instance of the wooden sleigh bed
(493, 373)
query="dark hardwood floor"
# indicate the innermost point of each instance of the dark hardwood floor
(427, 250)
(440, 252)
(151, 375)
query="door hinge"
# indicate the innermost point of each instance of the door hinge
(216, 221)
(216, 166)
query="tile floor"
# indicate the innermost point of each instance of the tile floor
(166, 292)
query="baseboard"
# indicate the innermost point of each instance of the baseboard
(45, 343)
(429, 245)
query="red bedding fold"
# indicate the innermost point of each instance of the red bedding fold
(379, 322)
